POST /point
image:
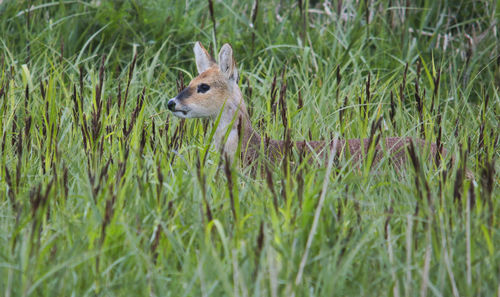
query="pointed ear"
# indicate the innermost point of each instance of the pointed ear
(226, 63)
(203, 59)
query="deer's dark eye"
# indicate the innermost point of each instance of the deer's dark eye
(203, 88)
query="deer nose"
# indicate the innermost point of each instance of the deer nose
(171, 104)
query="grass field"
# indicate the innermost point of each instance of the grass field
(105, 193)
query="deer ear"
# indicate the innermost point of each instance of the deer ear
(226, 63)
(203, 59)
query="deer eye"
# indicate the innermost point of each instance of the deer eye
(203, 88)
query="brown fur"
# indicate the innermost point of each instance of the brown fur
(210, 103)
(225, 100)
(395, 148)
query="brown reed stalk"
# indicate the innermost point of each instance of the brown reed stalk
(81, 81)
(273, 93)
(156, 242)
(439, 143)
(300, 102)
(303, 19)
(258, 248)
(368, 96)
(108, 215)
(212, 17)
(300, 178)
(253, 17)
(229, 176)
(339, 79)
(392, 112)
(270, 185)
(130, 75)
(459, 179)
(282, 100)
(389, 212)
(403, 85)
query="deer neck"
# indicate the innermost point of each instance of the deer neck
(235, 123)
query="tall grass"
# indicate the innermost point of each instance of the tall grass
(104, 193)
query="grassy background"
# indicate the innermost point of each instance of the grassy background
(103, 193)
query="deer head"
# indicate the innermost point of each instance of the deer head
(215, 87)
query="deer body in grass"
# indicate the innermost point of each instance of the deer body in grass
(215, 93)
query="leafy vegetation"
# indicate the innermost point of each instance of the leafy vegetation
(105, 193)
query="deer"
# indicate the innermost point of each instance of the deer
(215, 94)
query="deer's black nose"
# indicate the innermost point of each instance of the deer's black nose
(171, 104)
